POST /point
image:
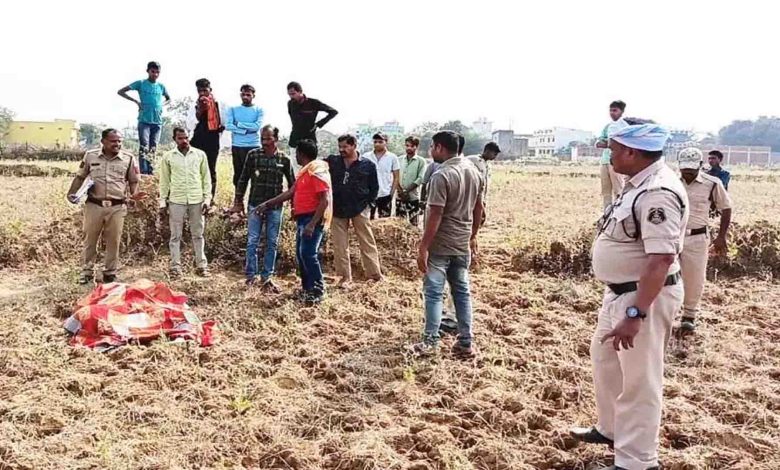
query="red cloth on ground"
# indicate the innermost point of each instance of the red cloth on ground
(115, 314)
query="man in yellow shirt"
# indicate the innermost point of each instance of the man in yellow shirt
(185, 192)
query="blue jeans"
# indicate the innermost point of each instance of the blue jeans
(455, 270)
(307, 251)
(273, 225)
(147, 140)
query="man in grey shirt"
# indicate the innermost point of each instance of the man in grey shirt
(451, 226)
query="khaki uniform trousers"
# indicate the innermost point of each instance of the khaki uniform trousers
(693, 264)
(369, 255)
(193, 213)
(629, 383)
(611, 184)
(107, 221)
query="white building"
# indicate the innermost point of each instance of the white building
(549, 142)
(483, 127)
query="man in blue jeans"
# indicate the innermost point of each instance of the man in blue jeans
(449, 242)
(266, 168)
(150, 107)
(312, 207)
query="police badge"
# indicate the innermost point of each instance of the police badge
(656, 215)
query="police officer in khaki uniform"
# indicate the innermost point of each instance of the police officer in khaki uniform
(704, 191)
(636, 255)
(114, 174)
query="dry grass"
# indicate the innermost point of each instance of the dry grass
(330, 388)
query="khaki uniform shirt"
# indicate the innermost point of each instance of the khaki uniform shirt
(654, 226)
(704, 191)
(110, 175)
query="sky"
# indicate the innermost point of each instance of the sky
(524, 65)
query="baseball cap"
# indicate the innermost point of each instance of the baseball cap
(690, 159)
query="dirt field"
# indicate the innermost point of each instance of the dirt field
(329, 387)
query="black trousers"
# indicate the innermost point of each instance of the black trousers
(383, 206)
(408, 210)
(239, 159)
(209, 143)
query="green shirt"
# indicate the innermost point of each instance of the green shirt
(185, 179)
(606, 153)
(412, 172)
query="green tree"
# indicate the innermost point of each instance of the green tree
(6, 117)
(474, 142)
(763, 131)
(176, 116)
(455, 126)
(428, 127)
(90, 133)
(327, 143)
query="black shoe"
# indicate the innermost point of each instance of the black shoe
(687, 324)
(590, 436)
(84, 280)
(448, 326)
(108, 278)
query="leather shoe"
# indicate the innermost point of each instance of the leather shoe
(590, 436)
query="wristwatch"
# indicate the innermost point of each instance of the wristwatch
(633, 312)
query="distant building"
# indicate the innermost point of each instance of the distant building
(60, 133)
(483, 127)
(364, 132)
(580, 152)
(505, 139)
(520, 145)
(678, 140)
(392, 128)
(551, 141)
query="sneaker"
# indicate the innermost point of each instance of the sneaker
(311, 298)
(84, 279)
(687, 324)
(448, 326)
(424, 349)
(203, 272)
(463, 352)
(109, 278)
(270, 286)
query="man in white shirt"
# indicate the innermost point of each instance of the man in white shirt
(388, 171)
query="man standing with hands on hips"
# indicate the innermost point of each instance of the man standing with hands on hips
(150, 108)
(303, 113)
(185, 193)
(636, 254)
(114, 176)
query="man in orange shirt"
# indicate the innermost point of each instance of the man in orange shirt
(311, 195)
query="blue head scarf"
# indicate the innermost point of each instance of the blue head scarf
(647, 137)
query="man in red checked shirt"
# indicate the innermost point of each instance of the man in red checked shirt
(312, 209)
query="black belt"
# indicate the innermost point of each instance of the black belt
(106, 202)
(698, 231)
(626, 287)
